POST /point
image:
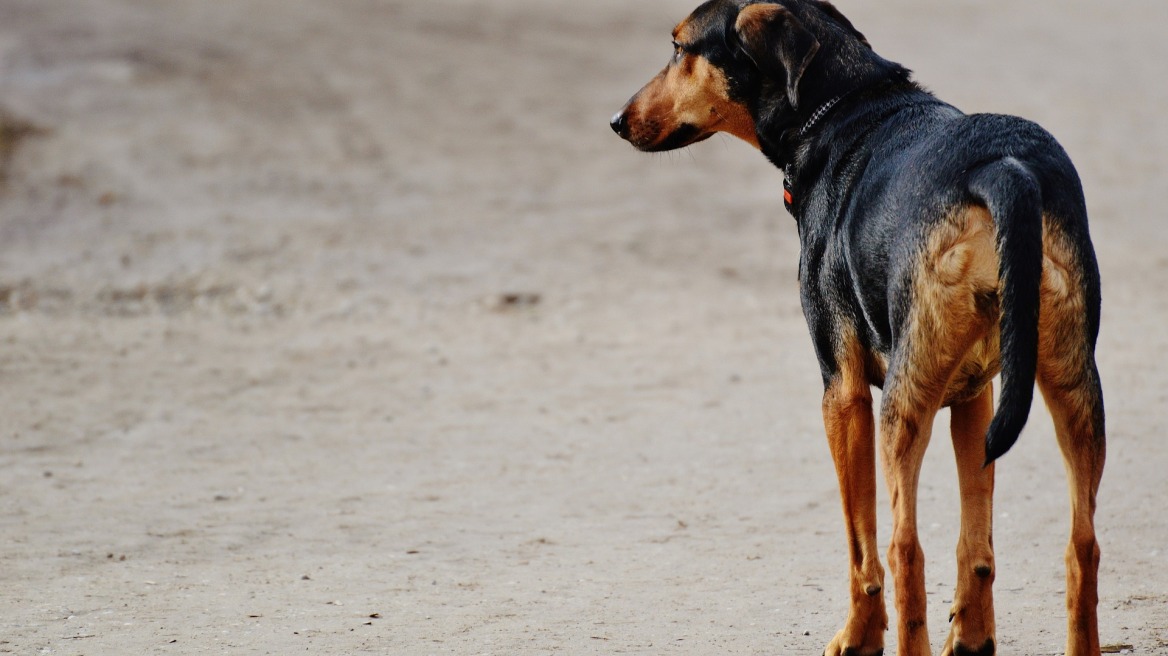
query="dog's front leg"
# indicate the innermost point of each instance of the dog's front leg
(847, 416)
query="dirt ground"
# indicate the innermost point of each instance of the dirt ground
(349, 327)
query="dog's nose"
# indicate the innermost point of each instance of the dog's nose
(620, 124)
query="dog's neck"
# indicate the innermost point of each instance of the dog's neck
(816, 116)
(787, 162)
(781, 137)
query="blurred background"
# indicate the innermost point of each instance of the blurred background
(350, 327)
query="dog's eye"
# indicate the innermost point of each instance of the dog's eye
(678, 51)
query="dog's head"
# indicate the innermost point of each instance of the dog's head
(737, 64)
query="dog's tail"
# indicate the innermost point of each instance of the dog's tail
(1014, 198)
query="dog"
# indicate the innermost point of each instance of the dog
(937, 250)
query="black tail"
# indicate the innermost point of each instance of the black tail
(1014, 199)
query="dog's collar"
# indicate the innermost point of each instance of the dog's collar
(816, 116)
(819, 113)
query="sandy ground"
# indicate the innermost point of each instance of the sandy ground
(348, 327)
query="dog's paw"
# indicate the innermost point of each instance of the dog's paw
(958, 649)
(839, 647)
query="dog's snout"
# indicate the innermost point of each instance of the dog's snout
(620, 124)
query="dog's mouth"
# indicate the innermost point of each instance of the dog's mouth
(683, 136)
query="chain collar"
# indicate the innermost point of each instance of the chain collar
(818, 114)
(788, 196)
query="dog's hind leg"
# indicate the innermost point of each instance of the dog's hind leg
(946, 329)
(972, 615)
(1069, 381)
(1078, 422)
(905, 428)
(847, 416)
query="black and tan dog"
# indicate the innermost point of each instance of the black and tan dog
(937, 249)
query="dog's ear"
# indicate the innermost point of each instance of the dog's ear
(772, 38)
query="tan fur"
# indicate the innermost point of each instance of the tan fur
(1070, 386)
(847, 416)
(1060, 323)
(951, 355)
(689, 91)
(955, 313)
(972, 614)
(687, 31)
